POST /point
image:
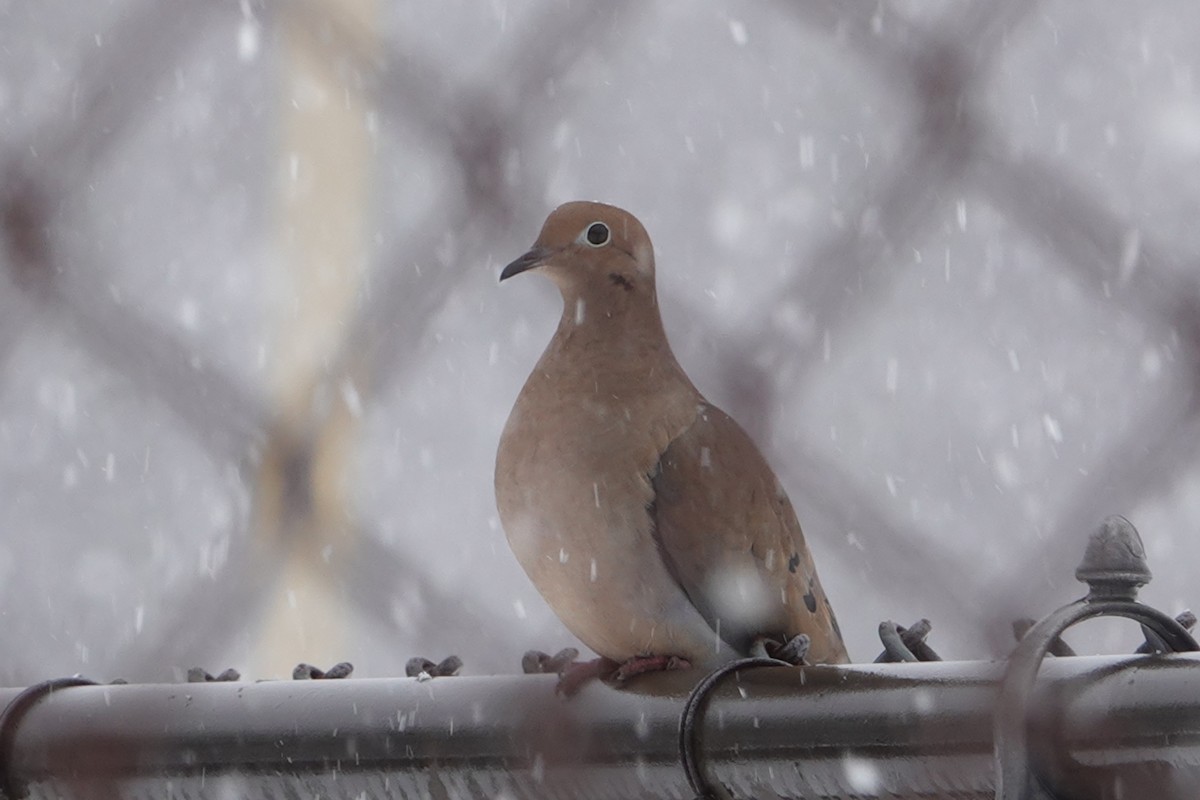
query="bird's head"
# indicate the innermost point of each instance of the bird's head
(585, 246)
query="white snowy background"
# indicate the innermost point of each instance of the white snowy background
(940, 259)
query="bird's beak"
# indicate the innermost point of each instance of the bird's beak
(534, 258)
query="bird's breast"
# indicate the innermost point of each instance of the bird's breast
(574, 493)
(572, 433)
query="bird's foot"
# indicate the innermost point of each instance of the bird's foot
(575, 675)
(639, 665)
(578, 674)
(793, 651)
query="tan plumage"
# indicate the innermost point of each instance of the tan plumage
(644, 515)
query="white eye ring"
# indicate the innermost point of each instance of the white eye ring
(596, 235)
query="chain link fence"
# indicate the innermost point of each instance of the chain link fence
(938, 258)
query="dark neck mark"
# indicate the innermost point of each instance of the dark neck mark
(620, 280)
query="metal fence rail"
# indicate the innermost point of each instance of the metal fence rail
(1102, 726)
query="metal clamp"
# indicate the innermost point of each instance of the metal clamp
(12, 788)
(689, 722)
(1114, 567)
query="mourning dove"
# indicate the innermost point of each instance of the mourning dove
(644, 514)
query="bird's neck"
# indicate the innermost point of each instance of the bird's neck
(621, 323)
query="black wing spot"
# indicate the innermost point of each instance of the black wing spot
(793, 562)
(810, 602)
(620, 280)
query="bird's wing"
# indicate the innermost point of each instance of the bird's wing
(729, 535)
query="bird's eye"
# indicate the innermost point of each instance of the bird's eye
(597, 234)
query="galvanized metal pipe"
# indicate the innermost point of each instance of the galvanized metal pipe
(872, 730)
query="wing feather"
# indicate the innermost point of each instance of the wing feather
(729, 535)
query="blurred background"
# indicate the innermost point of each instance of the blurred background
(940, 259)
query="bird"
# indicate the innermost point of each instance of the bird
(645, 516)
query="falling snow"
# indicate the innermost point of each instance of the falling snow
(738, 31)
(862, 776)
(931, 365)
(1052, 428)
